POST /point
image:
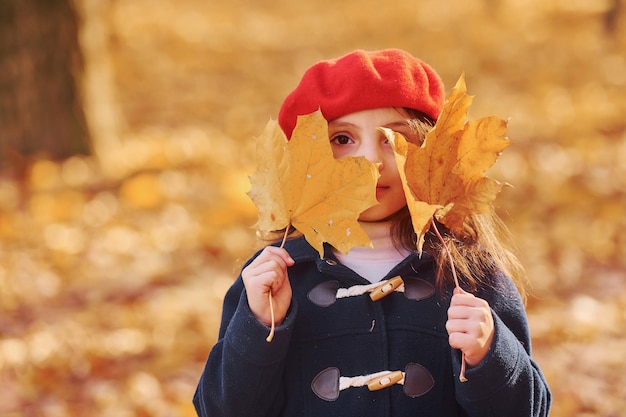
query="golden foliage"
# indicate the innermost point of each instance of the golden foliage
(298, 183)
(445, 175)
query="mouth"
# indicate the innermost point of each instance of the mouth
(381, 189)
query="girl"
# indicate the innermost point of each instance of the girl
(339, 352)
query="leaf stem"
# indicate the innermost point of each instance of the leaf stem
(462, 377)
(443, 242)
(282, 244)
(273, 327)
(271, 335)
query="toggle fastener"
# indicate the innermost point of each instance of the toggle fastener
(416, 381)
(386, 288)
(385, 381)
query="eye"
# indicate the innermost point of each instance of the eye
(341, 139)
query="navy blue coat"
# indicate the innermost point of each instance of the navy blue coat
(324, 338)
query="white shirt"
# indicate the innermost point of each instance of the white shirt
(373, 263)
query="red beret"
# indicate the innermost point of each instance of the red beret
(363, 80)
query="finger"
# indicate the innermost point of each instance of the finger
(472, 328)
(459, 311)
(464, 298)
(468, 327)
(472, 319)
(271, 264)
(281, 252)
(462, 341)
(265, 257)
(266, 275)
(474, 348)
(468, 300)
(270, 260)
(456, 326)
(459, 290)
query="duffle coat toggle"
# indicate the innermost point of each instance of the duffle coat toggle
(416, 381)
(329, 292)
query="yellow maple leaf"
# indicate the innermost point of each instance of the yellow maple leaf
(421, 211)
(444, 177)
(299, 183)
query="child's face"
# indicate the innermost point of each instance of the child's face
(357, 134)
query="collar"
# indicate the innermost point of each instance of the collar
(301, 251)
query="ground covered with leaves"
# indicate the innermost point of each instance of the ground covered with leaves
(113, 267)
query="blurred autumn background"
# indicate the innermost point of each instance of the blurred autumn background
(126, 141)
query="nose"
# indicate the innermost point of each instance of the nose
(372, 151)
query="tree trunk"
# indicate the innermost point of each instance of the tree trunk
(101, 104)
(40, 64)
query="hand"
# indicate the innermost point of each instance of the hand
(470, 326)
(268, 272)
